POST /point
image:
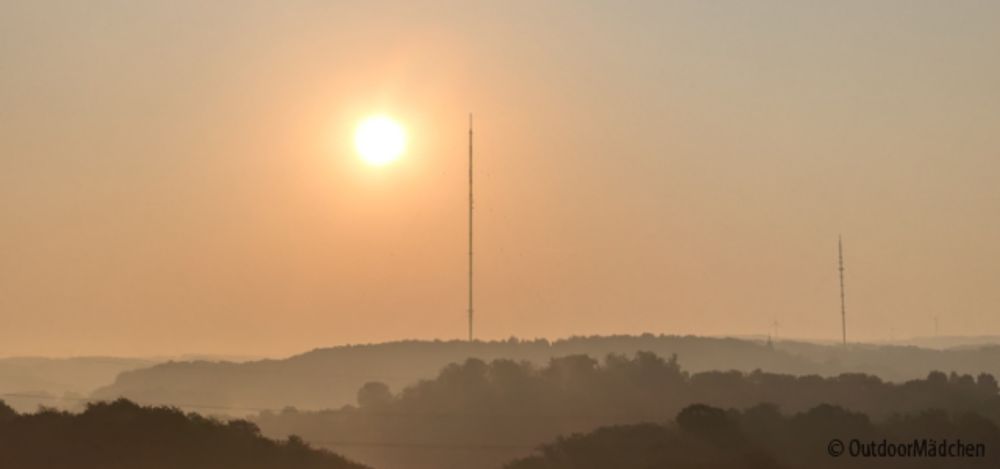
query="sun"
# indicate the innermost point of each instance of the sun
(379, 140)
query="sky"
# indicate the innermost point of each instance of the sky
(179, 177)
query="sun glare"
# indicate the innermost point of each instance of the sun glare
(379, 140)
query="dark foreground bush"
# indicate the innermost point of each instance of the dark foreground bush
(762, 438)
(121, 434)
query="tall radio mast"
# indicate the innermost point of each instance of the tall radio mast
(843, 309)
(470, 228)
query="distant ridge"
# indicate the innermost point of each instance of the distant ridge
(330, 377)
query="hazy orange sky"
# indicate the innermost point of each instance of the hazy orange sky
(178, 176)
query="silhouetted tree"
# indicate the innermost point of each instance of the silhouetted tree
(710, 424)
(374, 394)
(6, 412)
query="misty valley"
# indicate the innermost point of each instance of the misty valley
(584, 402)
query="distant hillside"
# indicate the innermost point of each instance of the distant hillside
(895, 362)
(27, 382)
(946, 342)
(122, 435)
(331, 377)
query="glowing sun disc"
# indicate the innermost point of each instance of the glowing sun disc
(379, 140)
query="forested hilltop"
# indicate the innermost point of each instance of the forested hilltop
(329, 378)
(480, 414)
(762, 438)
(123, 435)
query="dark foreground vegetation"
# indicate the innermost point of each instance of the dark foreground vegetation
(479, 415)
(123, 435)
(761, 438)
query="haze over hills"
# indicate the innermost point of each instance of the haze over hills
(331, 377)
(26, 382)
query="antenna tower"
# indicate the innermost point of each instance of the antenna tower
(843, 308)
(470, 228)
